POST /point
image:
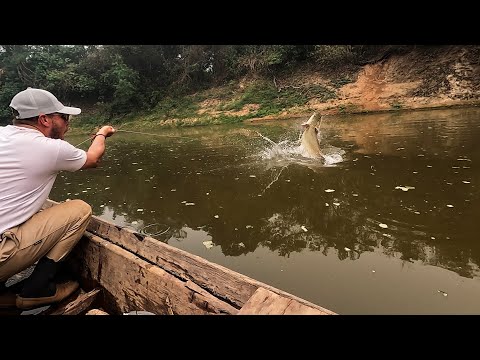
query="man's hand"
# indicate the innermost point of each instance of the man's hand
(106, 130)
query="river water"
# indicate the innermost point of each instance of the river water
(388, 224)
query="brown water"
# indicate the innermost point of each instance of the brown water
(397, 235)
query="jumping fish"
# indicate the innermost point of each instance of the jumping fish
(309, 140)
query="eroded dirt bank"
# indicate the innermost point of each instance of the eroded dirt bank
(425, 78)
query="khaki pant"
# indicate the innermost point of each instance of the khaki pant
(52, 232)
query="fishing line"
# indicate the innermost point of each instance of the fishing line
(320, 124)
(265, 138)
(144, 133)
(141, 133)
(83, 142)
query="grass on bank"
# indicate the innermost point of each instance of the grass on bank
(224, 105)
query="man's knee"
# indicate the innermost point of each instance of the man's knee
(81, 207)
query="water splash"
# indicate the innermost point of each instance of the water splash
(332, 155)
(292, 151)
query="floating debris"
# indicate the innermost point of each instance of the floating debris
(404, 188)
(208, 244)
(347, 249)
(189, 204)
(216, 216)
(442, 292)
(448, 205)
(139, 209)
(466, 182)
(304, 228)
(252, 176)
(383, 226)
(329, 190)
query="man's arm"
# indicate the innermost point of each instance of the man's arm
(97, 148)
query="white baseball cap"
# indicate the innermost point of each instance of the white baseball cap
(33, 102)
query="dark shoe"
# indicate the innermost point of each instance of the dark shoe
(63, 291)
(41, 282)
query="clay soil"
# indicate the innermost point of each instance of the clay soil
(427, 77)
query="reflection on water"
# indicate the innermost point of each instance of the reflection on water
(388, 226)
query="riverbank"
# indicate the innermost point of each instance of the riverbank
(425, 78)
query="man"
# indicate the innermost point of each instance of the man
(32, 152)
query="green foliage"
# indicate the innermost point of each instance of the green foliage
(8, 92)
(320, 93)
(179, 108)
(270, 100)
(127, 79)
(271, 58)
(228, 119)
(338, 83)
(333, 54)
(125, 83)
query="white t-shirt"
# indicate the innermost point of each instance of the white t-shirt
(29, 164)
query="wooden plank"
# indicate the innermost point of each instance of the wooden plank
(78, 305)
(132, 283)
(203, 277)
(227, 284)
(213, 278)
(266, 302)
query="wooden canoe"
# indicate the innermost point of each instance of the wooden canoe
(128, 272)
